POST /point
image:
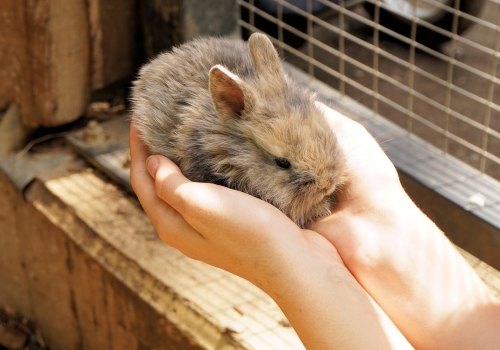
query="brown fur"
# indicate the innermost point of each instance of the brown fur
(224, 111)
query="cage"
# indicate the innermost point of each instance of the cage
(421, 76)
(428, 67)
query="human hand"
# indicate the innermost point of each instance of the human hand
(298, 268)
(222, 227)
(400, 257)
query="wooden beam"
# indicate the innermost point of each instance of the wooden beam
(113, 32)
(13, 133)
(55, 52)
(81, 244)
(171, 22)
(45, 64)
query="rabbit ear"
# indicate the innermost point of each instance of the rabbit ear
(230, 95)
(265, 57)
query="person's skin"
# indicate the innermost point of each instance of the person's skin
(376, 241)
(401, 258)
(299, 269)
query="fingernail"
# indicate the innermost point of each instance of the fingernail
(152, 163)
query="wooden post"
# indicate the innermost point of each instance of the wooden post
(113, 32)
(170, 22)
(55, 52)
(44, 65)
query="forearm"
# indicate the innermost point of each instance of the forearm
(330, 310)
(454, 306)
(423, 283)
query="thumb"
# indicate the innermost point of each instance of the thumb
(152, 164)
(168, 180)
(211, 208)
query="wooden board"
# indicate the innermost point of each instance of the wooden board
(44, 63)
(113, 32)
(85, 263)
(81, 258)
(55, 52)
(171, 22)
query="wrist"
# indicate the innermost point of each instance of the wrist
(317, 293)
(404, 261)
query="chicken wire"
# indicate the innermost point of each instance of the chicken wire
(447, 94)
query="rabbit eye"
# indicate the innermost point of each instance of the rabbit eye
(282, 163)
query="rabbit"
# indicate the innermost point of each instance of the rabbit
(225, 112)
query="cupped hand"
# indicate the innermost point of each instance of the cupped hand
(400, 257)
(371, 200)
(300, 269)
(222, 227)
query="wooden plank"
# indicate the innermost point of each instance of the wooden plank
(81, 258)
(76, 301)
(69, 59)
(213, 299)
(82, 292)
(14, 284)
(48, 294)
(45, 64)
(160, 25)
(170, 22)
(14, 59)
(186, 328)
(113, 33)
(12, 131)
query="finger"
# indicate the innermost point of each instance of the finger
(366, 161)
(138, 149)
(170, 225)
(141, 181)
(216, 210)
(344, 127)
(138, 155)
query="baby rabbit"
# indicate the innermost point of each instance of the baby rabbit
(226, 113)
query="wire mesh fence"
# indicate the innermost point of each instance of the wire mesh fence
(429, 66)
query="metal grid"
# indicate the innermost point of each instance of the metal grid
(446, 94)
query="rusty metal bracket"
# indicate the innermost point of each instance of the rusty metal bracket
(105, 146)
(21, 171)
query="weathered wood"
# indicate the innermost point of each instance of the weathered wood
(91, 271)
(95, 309)
(113, 33)
(44, 65)
(82, 292)
(166, 23)
(13, 132)
(200, 299)
(14, 282)
(13, 55)
(81, 258)
(160, 24)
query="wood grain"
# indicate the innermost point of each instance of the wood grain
(45, 64)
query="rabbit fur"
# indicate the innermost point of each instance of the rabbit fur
(225, 112)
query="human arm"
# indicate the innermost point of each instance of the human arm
(299, 269)
(401, 258)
